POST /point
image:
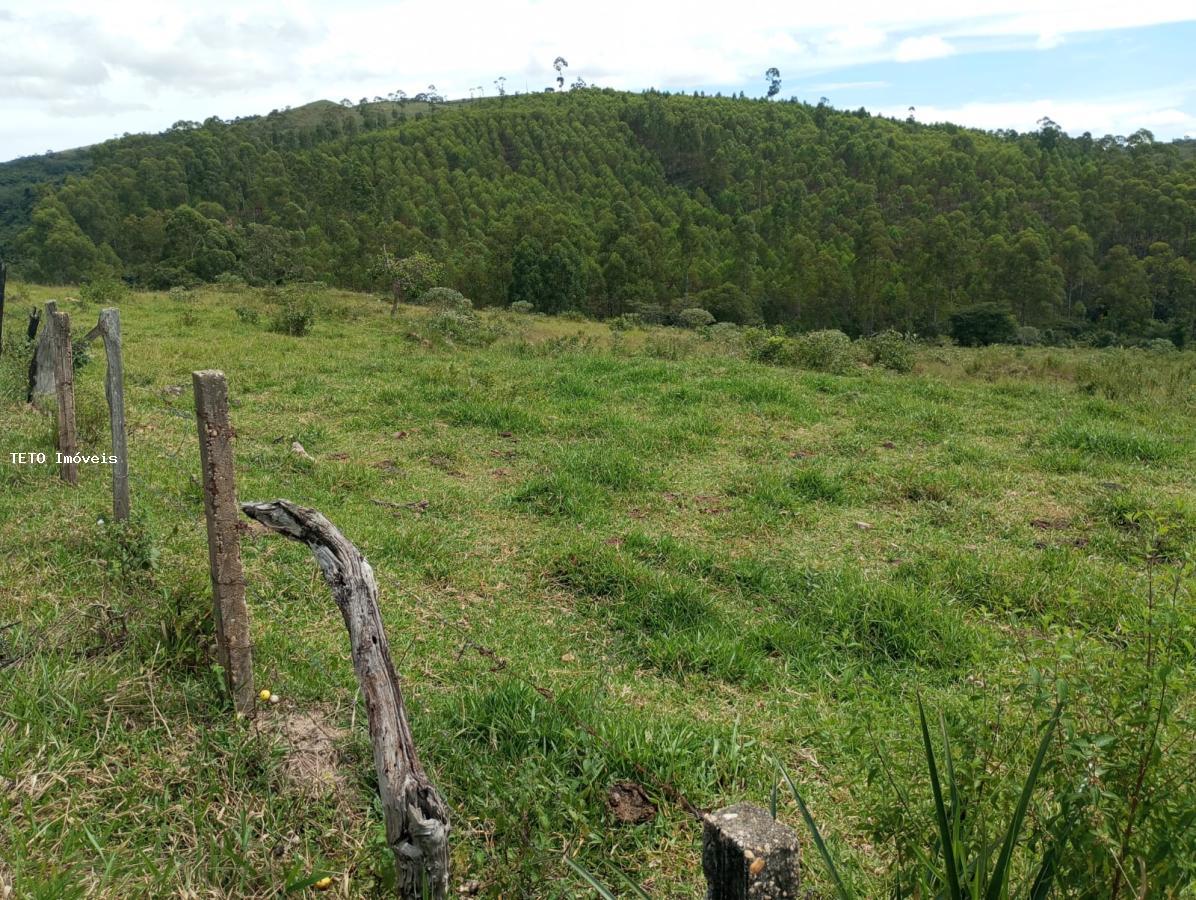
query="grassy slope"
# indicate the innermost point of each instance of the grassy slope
(665, 536)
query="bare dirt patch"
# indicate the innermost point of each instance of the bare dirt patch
(311, 759)
(629, 803)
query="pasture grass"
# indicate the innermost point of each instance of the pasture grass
(602, 555)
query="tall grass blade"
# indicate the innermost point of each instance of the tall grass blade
(952, 873)
(840, 888)
(996, 885)
(1044, 879)
(598, 886)
(957, 841)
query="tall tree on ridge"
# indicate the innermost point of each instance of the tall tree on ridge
(773, 77)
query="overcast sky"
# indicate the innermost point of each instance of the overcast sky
(75, 72)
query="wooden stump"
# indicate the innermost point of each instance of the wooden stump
(114, 389)
(748, 855)
(224, 547)
(417, 819)
(64, 378)
(41, 367)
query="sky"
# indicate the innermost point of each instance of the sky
(74, 72)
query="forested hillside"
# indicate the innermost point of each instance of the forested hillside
(612, 203)
(22, 179)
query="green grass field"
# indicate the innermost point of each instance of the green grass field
(704, 561)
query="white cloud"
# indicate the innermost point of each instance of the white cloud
(916, 49)
(830, 86)
(1125, 114)
(142, 64)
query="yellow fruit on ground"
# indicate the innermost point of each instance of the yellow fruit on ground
(324, 883)
(263, 695)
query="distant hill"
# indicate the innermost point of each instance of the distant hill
(21, 179)
(618, 203)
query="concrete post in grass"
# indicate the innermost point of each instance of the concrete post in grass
(749, 855)
(224, 547)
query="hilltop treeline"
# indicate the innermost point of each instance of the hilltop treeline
(612, 203)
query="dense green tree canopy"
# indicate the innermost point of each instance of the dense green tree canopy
(610, 203)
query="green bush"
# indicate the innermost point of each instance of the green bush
(728, 334)
(694, 317)
(626, 322)
(80, 354)
(463, 327)
(825, 351)
(104, 290)
(229, 281)
(765, 346)
(247, 314)
(573, 315)
(296, 311)
(180, 295)
(522, 306)
(892, 350)
(1028, 336)
(1160, 345)
(445, 298)
(983, 324)
(651, 313)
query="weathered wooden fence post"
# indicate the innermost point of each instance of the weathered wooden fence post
(749, 855)
(114, 389)
(64, 379)
(417, 819)
(224, 546)
(41, 367)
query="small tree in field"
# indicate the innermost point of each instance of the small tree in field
(409, 276)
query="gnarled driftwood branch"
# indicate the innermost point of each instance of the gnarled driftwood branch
(417, 819)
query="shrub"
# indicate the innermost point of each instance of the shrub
(104, 290)
(179, 294)
(1160, 345)
(725, 333)
(573, 315)
(694, 317)
(626, 322)
(892, 350)
(445, 298)
(247, 314)
(1028, 336)
(651, 313)
(295, 313)
(825, 351)
(463, 327)
(164, 276)
(80, 354)
(522, 306)
(229, 281)
(764, 346)
(982, 324)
